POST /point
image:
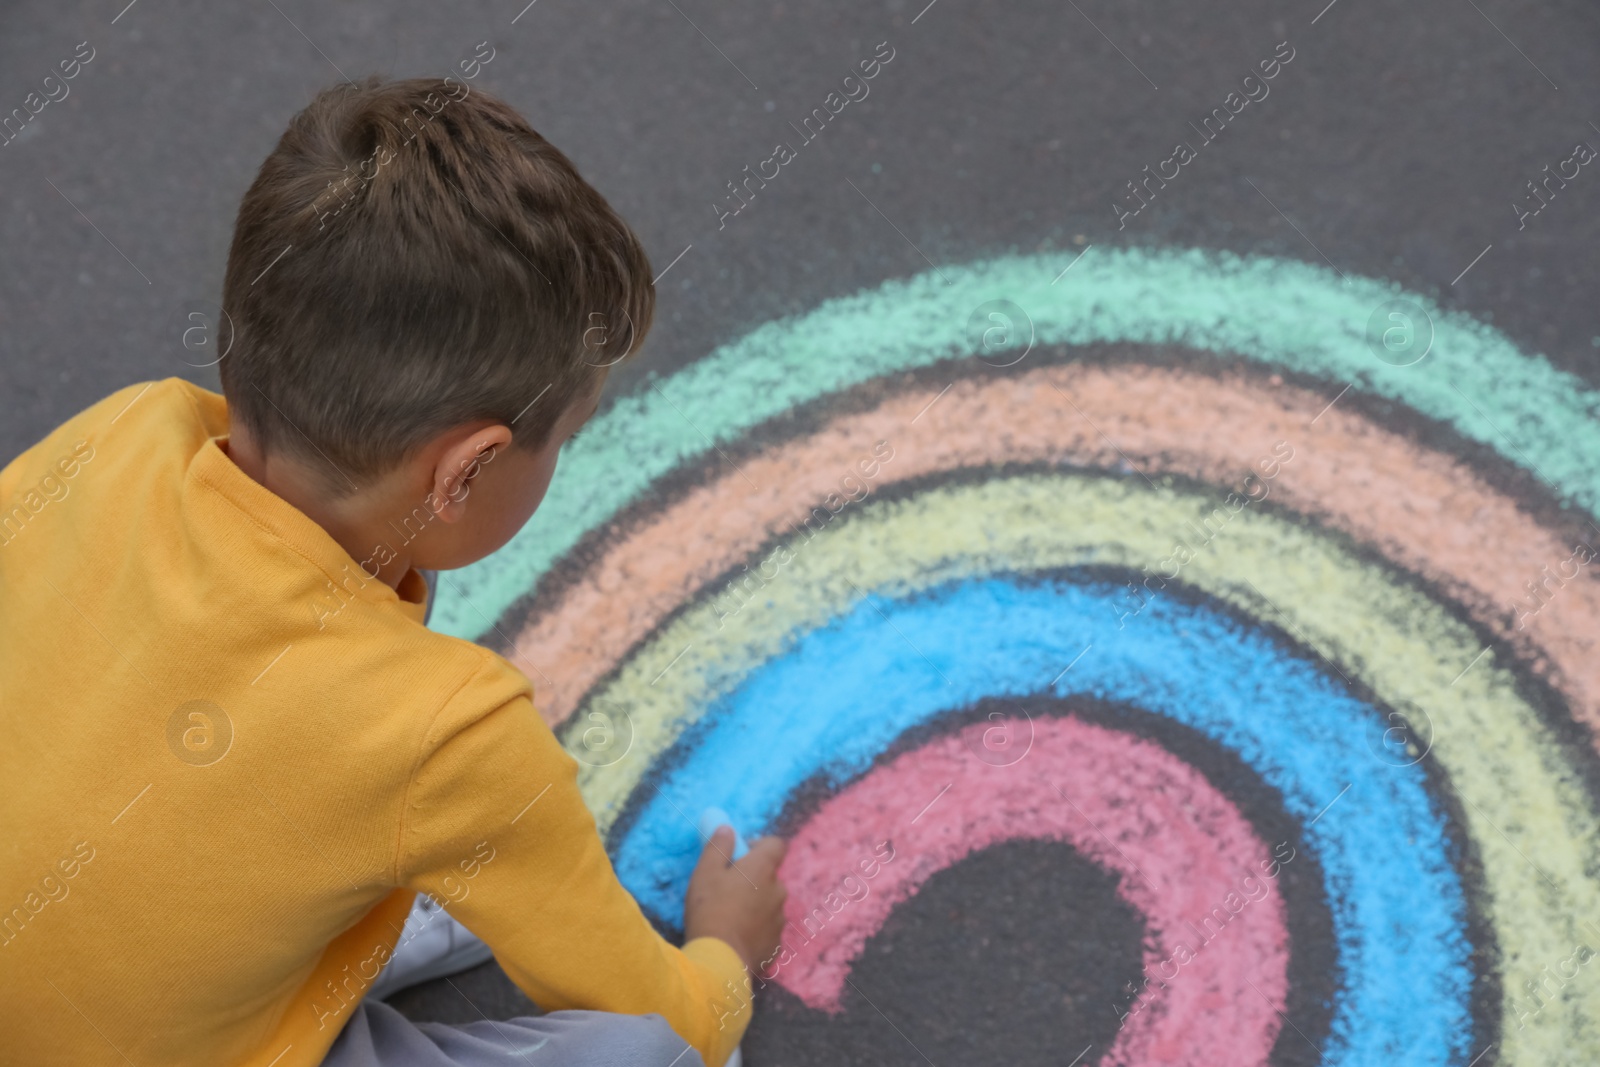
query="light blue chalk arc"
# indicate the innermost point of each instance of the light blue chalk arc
(843, 693)
(1274, 311)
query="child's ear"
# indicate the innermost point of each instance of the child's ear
(458, 467)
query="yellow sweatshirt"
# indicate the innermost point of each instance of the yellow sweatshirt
(229, 760)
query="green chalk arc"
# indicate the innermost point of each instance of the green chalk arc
(1278, 312)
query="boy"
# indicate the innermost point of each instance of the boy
(232, 754)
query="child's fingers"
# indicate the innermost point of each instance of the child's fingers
(764, 857)
(718, 852)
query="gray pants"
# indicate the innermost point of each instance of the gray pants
(379, 1036)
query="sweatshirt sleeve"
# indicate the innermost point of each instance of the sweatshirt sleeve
(495, 829)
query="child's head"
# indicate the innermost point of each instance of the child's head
(416, 274)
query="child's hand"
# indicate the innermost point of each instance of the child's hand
(739, 902)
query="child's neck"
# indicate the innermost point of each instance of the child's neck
(357, 522)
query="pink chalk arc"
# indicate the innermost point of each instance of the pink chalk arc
(1217, 948)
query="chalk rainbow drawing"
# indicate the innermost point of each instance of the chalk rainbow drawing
(1352, 635)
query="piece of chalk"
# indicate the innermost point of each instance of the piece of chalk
(712, 818)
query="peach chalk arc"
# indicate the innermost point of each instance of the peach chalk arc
(1427, 511)
(1179, 848)
(1274, 312)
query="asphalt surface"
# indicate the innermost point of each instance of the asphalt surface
(1394, 143)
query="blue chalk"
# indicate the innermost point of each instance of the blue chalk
(712, 818)
(1405, 973)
